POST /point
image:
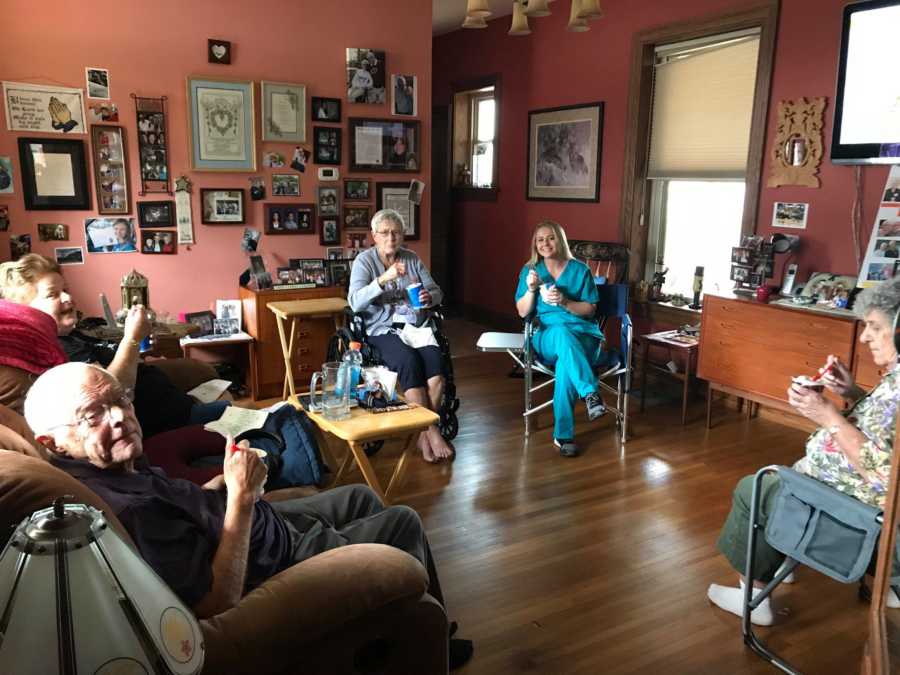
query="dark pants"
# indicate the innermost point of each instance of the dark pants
(733, 538)
(353, 514)
(414, 367)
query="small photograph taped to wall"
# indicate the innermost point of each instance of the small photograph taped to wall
(69, 255)
(110, 235)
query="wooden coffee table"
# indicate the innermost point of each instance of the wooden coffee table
(364, 427)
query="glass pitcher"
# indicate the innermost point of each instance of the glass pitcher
(334, 401)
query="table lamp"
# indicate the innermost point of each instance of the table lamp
(75, 598)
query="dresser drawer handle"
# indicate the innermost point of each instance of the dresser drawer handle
(302, 350)
(301, 334)
(304, 367)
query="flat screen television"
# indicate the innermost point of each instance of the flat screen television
(867, 103)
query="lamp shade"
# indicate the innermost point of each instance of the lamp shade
(590, 9)
(479, 8)
(537, 8)
(474, 22)
(75, 598)
(519, 24)
(576, 25)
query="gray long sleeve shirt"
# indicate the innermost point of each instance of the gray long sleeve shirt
(380, 305)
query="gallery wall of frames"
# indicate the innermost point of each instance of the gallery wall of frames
(180, 142)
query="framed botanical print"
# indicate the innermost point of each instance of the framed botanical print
(110, 170)
(329, 230)
(221, 124)
(54, 174)
(396, 196)
(384, 145)
(222, 207)
(564, 146)
(326, 145)
(283, 112)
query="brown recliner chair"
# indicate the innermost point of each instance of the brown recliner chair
(357, 609)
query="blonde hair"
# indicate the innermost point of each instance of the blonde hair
(18, 278)
(561, 241)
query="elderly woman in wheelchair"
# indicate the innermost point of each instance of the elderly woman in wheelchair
(560, 291)
(379, 283)
(850, 451)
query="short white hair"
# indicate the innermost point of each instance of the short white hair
(48, 394)
(388, 214)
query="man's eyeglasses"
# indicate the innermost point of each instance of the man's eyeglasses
(98, 415)
(396, 234)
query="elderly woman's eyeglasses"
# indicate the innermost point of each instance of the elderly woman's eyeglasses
(98, 415)
(394, 234)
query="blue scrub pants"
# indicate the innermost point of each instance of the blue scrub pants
(571, 355)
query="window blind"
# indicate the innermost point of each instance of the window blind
(702, 109)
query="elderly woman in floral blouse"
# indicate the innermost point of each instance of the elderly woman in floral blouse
(850, 451)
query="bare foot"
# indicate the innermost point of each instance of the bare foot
(424, 447)
(439, 446)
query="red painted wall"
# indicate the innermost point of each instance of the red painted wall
(553, 67)
(149, 49)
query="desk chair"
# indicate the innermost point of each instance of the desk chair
(609, 265)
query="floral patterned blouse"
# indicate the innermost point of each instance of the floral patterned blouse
(875, 416)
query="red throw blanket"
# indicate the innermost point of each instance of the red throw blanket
(28, 339)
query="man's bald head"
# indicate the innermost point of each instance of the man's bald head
(51, 400)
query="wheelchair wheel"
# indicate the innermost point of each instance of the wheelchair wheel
(372, 448)
(449, 426)
(455, 406)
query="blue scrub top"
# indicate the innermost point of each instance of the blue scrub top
(577, 283)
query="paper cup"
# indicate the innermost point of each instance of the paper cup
(808, 382)
(412, 292)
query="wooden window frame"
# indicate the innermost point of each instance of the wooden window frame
(467, 192)
(634, 219)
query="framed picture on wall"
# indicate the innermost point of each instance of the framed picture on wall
(564, 147)
(54, 174)
(404, 90)
(110, 170)
(357, 217)
(156, 214)
(326, 145)
(221, 124)
(222, 207)
(283, 112)
(357, 190)
(326, 109)
(290, 218)
(396, 196)
(384, 145)
(329, 200)
(329, 230)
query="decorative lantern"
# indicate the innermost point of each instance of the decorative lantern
(75, 598)
(135, 291)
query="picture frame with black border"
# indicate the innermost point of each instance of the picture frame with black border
(328, 200)
(339, 272)
(220, 206)
(204, 320)
(53, 232)
(357, 190)
(158, 242)
(357, 217)
(334, 253)
(741, 255)
(329, 230)
(740, 273)
(396, 196)
(327, 145)
(42, 193)
(285, 185)
(399, 141)
(326, 109)
(156, 214)
(289, 218)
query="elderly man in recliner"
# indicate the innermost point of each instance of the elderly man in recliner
(209, 544)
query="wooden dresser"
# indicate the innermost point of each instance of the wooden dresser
(311, 340)
(751, 349)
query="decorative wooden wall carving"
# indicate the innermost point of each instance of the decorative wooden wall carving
(797, 150)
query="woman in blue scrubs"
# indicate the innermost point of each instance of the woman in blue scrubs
(560, 291)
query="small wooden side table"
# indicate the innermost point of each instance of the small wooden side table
(293, 310)
(188, 344)
(364, 427)
(669, 339)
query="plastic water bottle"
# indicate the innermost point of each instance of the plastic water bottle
(352, 362)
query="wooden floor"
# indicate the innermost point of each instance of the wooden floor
(600, 564)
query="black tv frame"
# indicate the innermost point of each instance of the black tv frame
(854, 153)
